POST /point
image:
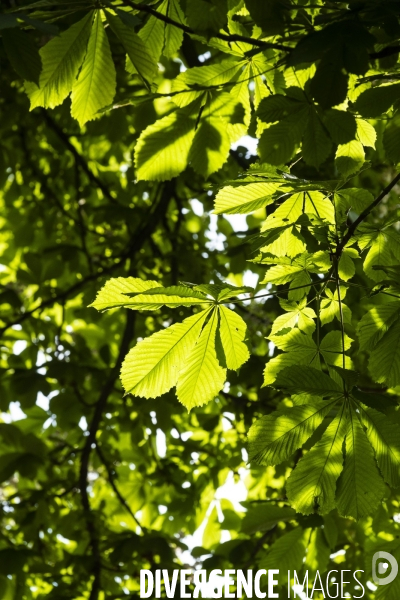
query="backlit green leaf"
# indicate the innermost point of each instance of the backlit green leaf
(201, 377)
(95, 87)
(274, 438)
(233, 330)
(312, 484)
(61, 59)
(360, 486)
(152, 367)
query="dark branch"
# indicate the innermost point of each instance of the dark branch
(91, 441)
(111, 479)
(388, 51)
(138, 239)
(221, 36)
(351, 230)
(80, 161)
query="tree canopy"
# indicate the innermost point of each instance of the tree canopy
(199, 290)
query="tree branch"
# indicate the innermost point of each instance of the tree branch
(78, 157)
(138, 240)
(388, 51)
(221, 36)
(351, 230)
(90, 442)
(111, 479)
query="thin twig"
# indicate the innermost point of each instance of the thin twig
(351, 230)
(79, 159)
(89, 443)
(268, 294)
(138, 239)
(111, 479)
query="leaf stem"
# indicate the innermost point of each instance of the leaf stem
(299, 287)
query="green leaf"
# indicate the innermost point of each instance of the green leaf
(298, 314)
(95, 87)
(355, 198)
(318, 552)
(300, 349)
(152, 33)
(285, 242)
(301, 379)
(384, 362)
(152, 367)
(229, 291)
(350, 377)
(316, 142)
(350, 158)
(318, 205)
(376, 322)
(277, 107)
(113, 293)
(193, 82)
(199, 134)
(288, 212)
(330, 307)
(366, 133)
(46, 28)
(206, 15)
(262, 517)
(173, 36)
(347, 267)
(201, 377)
(312, 484)
(278, 143)
(329, 84)
(172, 297)
(233, 331)
(341, 125)
(8, 20)
(61, 59)
(161, 37)
(314, 204)
(221, 291)
(284, 273)
(274, 438)
(212, 530)
(384, 250)
(270, 16)
(384, 437)
(331, 348)
(244, 199)
(391, 142)
(360, 486)
(287, 551)
(384, 403)
(377, 100)
(137, 51)
(162, 149)
(23, 54)
(210, 146)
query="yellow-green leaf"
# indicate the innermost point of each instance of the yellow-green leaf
(95, 87)
(137, 51)
(233, 331)
(61, 59)
(201, 377)
(151, 368)
(112, 294)
(312, 484)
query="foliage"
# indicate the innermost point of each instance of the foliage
(141, 238)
